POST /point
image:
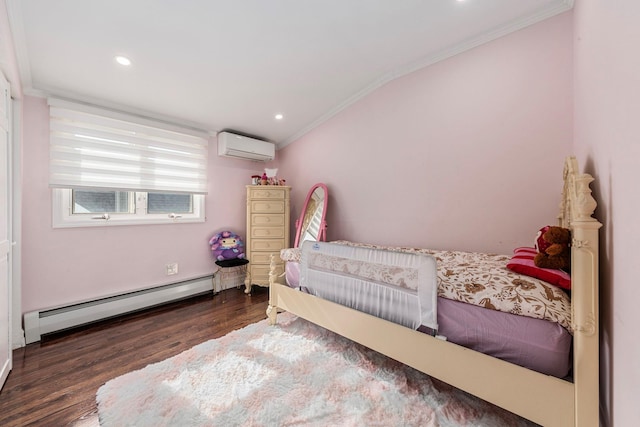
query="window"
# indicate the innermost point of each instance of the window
(84, 202)
(109, 168)
(82, 208)
(158, 203)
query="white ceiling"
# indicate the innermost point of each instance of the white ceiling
(234, 64)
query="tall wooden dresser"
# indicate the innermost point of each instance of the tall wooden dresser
(267, 231)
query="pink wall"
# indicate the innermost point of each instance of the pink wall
(62, 266)
(607, 138)
(481, 134)
(461, 154)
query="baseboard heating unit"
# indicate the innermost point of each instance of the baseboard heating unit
(38, 323)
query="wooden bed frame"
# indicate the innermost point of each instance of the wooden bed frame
(544, 399)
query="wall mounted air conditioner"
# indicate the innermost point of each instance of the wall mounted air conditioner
(243, 147)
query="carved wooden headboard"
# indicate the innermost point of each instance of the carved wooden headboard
(577, 203)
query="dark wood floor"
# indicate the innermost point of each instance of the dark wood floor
(54, 382)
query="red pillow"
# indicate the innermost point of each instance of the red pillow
(522, 262)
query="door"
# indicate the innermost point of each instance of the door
(5, 226)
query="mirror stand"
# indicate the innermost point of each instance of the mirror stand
(311, 224)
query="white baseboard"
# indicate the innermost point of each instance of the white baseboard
(38, 323)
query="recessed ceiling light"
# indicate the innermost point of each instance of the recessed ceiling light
(279, 116)
(123, 60)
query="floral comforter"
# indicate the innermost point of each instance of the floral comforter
(484, 280)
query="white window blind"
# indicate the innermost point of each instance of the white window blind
(101, 149)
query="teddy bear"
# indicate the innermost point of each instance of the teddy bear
(554, 250)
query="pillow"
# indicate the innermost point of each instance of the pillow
(522, 262)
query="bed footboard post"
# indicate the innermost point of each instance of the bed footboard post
(576, 213)
(272, 309)
(585, 322)
(272, 315)
(585, 290)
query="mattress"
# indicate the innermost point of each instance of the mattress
(484, 280)
(535, 344)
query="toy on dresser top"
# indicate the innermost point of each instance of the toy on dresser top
(268, 178)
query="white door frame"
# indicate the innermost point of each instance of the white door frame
(16, 221)
(6, 229)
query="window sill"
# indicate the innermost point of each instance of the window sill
(115, 221)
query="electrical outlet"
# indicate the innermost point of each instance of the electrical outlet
(172, 269)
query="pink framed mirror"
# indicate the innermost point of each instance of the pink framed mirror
(312, 225)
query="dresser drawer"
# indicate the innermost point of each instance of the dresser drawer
(267, 245)
(272, 220)
(267, 206)
(267, 233)
(265, 258)
(266, 193)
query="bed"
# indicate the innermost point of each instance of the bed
(476, 300)
(542, 394)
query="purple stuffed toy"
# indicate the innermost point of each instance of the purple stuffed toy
(227, 245)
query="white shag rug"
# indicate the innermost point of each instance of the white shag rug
(292, 374)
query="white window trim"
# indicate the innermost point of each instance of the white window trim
(64, 218)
